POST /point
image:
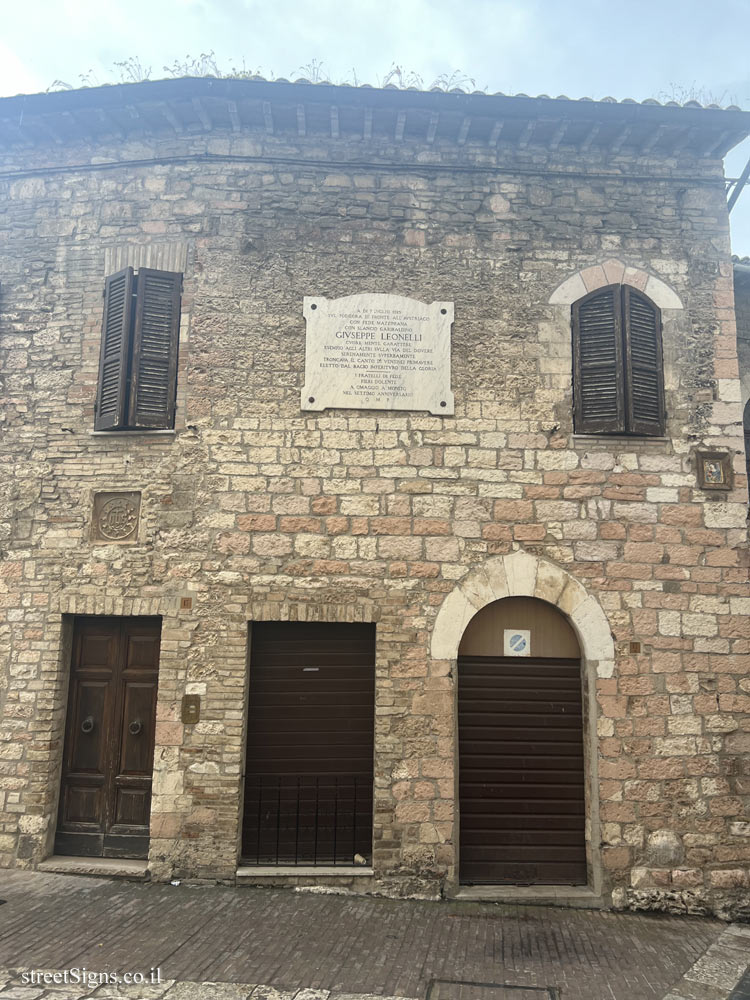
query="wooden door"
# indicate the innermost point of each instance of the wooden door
(309, 766)
(521, 771)
(105, 795)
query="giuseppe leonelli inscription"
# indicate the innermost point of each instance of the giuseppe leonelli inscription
(380, 352)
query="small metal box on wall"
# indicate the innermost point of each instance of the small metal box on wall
(191, 709)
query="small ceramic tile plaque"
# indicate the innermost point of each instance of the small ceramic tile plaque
(377, 352)
(115, 517)
(714, 470)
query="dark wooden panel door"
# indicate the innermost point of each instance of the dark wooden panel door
(309, 769)
(521, 771)
(105, 795)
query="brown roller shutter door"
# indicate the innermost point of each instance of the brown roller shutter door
(521, 771)
(309, 764)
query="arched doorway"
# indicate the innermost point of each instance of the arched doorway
(521, 747)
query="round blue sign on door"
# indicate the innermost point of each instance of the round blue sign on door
(517, 642)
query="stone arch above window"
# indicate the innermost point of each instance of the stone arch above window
(614, 272)
(521, 574)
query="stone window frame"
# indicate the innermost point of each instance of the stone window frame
(594, 277)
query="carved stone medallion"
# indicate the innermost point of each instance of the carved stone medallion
(116, 517)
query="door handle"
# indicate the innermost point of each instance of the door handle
(135, 727)
(87, 726)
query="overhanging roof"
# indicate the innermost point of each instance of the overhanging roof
(191, 105)
(741, 271)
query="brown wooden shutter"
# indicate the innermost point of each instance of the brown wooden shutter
(643, 363)
(597, 363)
(113, 361)
(155, 342)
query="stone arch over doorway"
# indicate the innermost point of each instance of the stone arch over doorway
(520, 574)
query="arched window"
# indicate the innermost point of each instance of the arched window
(618, 383)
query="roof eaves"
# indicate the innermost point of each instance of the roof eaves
(190, 104)
(515, 105)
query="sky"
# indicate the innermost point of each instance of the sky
(666, 49)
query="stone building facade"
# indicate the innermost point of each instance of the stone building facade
(742, 313)
(252, 510)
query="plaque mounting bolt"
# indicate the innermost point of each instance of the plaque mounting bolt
(443, 311)
(311, 399)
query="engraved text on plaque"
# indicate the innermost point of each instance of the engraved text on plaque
(380, 352)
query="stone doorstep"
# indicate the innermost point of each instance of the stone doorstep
(127, 868)
(262, 874)
(539, 895)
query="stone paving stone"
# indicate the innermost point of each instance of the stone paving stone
(488, 991)
(58, 991)
(64, 991)
(718, 973)
(723, 971)
(742, 989)
(269, 993)
(132, 991)
(696, 991)
(359, 996)
(210, 991)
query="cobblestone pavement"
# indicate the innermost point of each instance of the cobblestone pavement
(343, 945)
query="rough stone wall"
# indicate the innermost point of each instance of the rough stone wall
(258, 511)
(742, 309)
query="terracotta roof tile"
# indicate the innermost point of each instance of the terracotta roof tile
(497, 93)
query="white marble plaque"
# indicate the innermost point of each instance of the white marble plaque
(377, 352)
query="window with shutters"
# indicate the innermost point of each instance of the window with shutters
(618, 384)
(138, 361)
